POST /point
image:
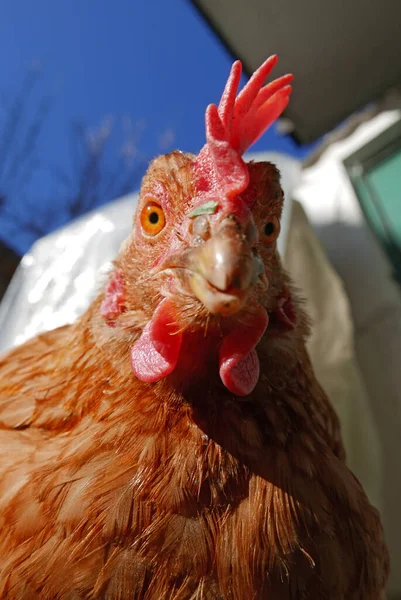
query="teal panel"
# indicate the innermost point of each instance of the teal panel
(385, 178)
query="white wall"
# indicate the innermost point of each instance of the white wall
(375, 297)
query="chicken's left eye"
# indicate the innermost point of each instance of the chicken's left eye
(152, 218)
(271, 230)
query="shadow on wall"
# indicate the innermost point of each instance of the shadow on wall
(375, 299)
(9, 261)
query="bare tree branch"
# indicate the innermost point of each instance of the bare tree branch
(23, 156)
(103, 168)
(9, 135)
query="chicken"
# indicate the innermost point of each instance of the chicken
(174, 443)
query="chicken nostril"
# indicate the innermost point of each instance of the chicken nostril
(201, 227)
(236, 282)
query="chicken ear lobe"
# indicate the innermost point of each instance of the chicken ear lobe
(114, 299)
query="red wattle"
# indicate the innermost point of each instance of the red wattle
(238, 361)
(155, 354)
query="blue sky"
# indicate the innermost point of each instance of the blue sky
(154, 62)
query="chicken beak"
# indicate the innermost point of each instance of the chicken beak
(224, 269)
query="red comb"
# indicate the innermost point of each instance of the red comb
(237, 123)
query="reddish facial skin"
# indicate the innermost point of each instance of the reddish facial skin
(182, 261)
(222, 274)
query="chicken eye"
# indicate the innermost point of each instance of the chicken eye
(152, 218)
(271, 230)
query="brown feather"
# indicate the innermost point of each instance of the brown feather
(114, 489)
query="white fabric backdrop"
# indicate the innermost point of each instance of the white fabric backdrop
(375, 300)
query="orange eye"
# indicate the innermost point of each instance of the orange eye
(271, 230)
(152, 218)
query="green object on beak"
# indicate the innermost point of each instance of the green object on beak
(207, 208)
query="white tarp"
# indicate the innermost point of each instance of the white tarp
(333, 209)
